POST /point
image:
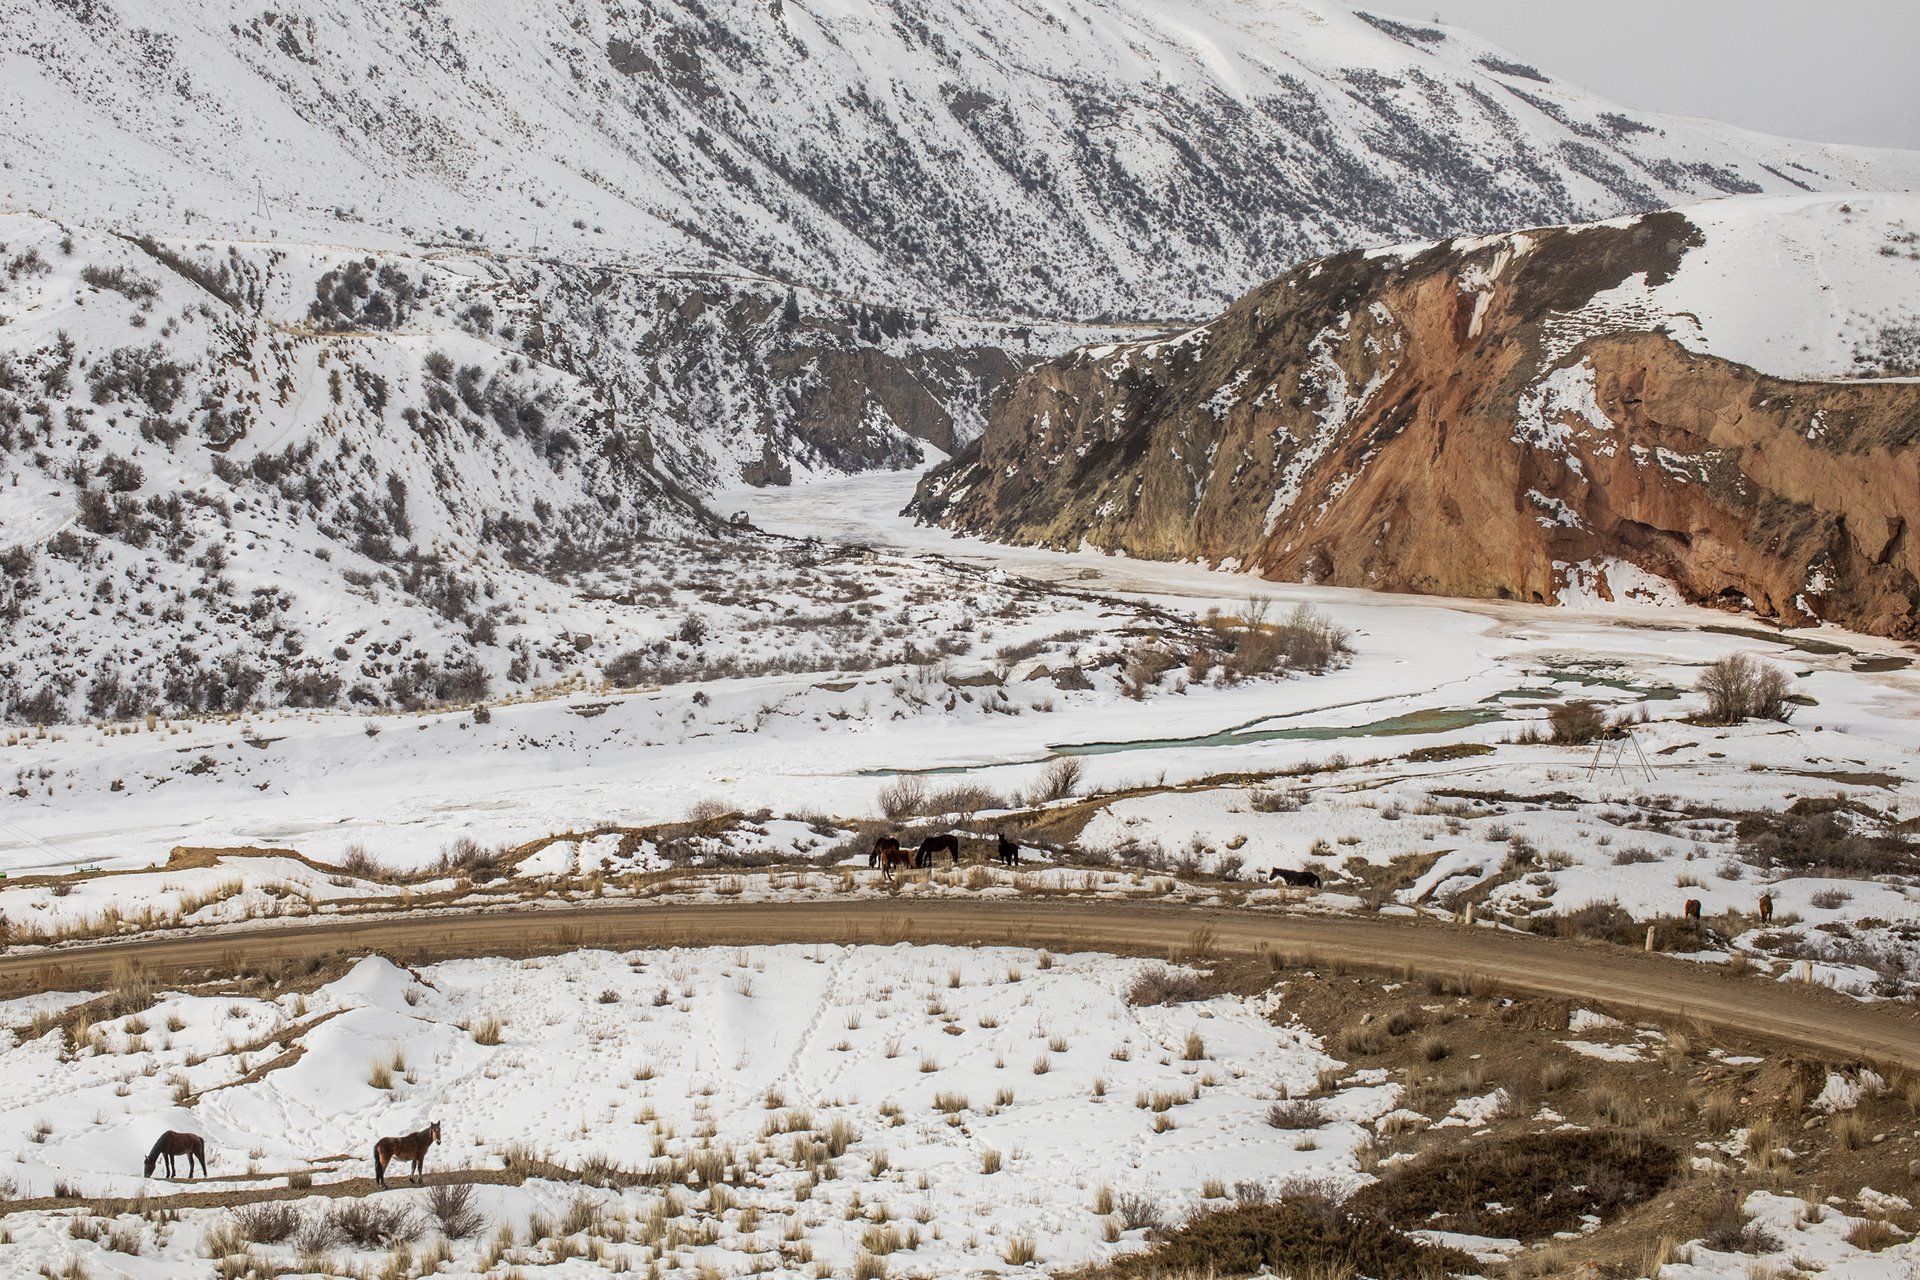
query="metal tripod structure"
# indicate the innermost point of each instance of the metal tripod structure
(1619, 763)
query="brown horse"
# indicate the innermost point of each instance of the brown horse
(409, 1147)
(1766, 908)
(1692, 909)
(888, 854)
(174, 1143)
(946, 842)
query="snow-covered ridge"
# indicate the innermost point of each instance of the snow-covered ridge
(1134, 156)
(1807, 287)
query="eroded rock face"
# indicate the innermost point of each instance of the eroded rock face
(1465, 421)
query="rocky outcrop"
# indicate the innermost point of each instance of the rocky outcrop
(1483, 418)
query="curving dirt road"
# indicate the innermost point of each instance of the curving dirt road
(1615, 977)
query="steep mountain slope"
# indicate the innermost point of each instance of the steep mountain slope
(1132, 157)
(237, 474)
(1725, 399)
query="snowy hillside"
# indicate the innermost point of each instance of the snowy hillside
(1116, 156)
(239, 472)
(1805, 287)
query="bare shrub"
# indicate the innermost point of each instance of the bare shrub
(1577, 722)
(454, 1206)
(904, 797)
(1137, 1211)
(964, 800)
(1305, 640)
(707, 809)
(267, 1223)
(471, 857)
(356, 861)
(1162, 985)
(1739, 688)
(1296, 1113)
(374, 1224)
(1060, 779)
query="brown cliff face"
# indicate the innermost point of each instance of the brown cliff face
(1462, 422)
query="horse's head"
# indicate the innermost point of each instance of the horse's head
(153, 1158)
(433, 1132)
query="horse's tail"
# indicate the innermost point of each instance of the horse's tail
(200, 1151)
(380, 1161)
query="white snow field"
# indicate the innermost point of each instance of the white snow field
(963, 1099)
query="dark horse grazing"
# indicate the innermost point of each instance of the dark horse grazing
(174, 1143)
(1009, 851)
(1298, 879)
(1692, 909)
(888, 854)
(946, 843)
(410, 1147)
(1766, 907)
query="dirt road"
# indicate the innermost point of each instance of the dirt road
(1620, 979)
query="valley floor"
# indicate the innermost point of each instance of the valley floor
(982, 1098)
(1425, 673)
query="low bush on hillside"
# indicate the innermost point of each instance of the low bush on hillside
(374, 1224)
(454, 1206)
(1525, 1187)
(1302, 1235)
(1161, 985)
(1824, 836)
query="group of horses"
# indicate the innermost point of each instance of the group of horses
(887, 852)
(408, 1148)
(1692, 910)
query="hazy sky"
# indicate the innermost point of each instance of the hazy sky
(1827, 70)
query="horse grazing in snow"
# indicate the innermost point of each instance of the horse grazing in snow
(887, 854)
(174, 1143)
(1297, 879)
(1766, 908)
(946, 842)
(411, 1147)
(1692, 910)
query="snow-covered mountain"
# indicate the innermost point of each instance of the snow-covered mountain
(1720, 403)
(1128, 157)
(431, 312)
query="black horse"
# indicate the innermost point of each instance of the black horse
(946, 843)
(1298, 879)
(173, 1143)
(1009, 851)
